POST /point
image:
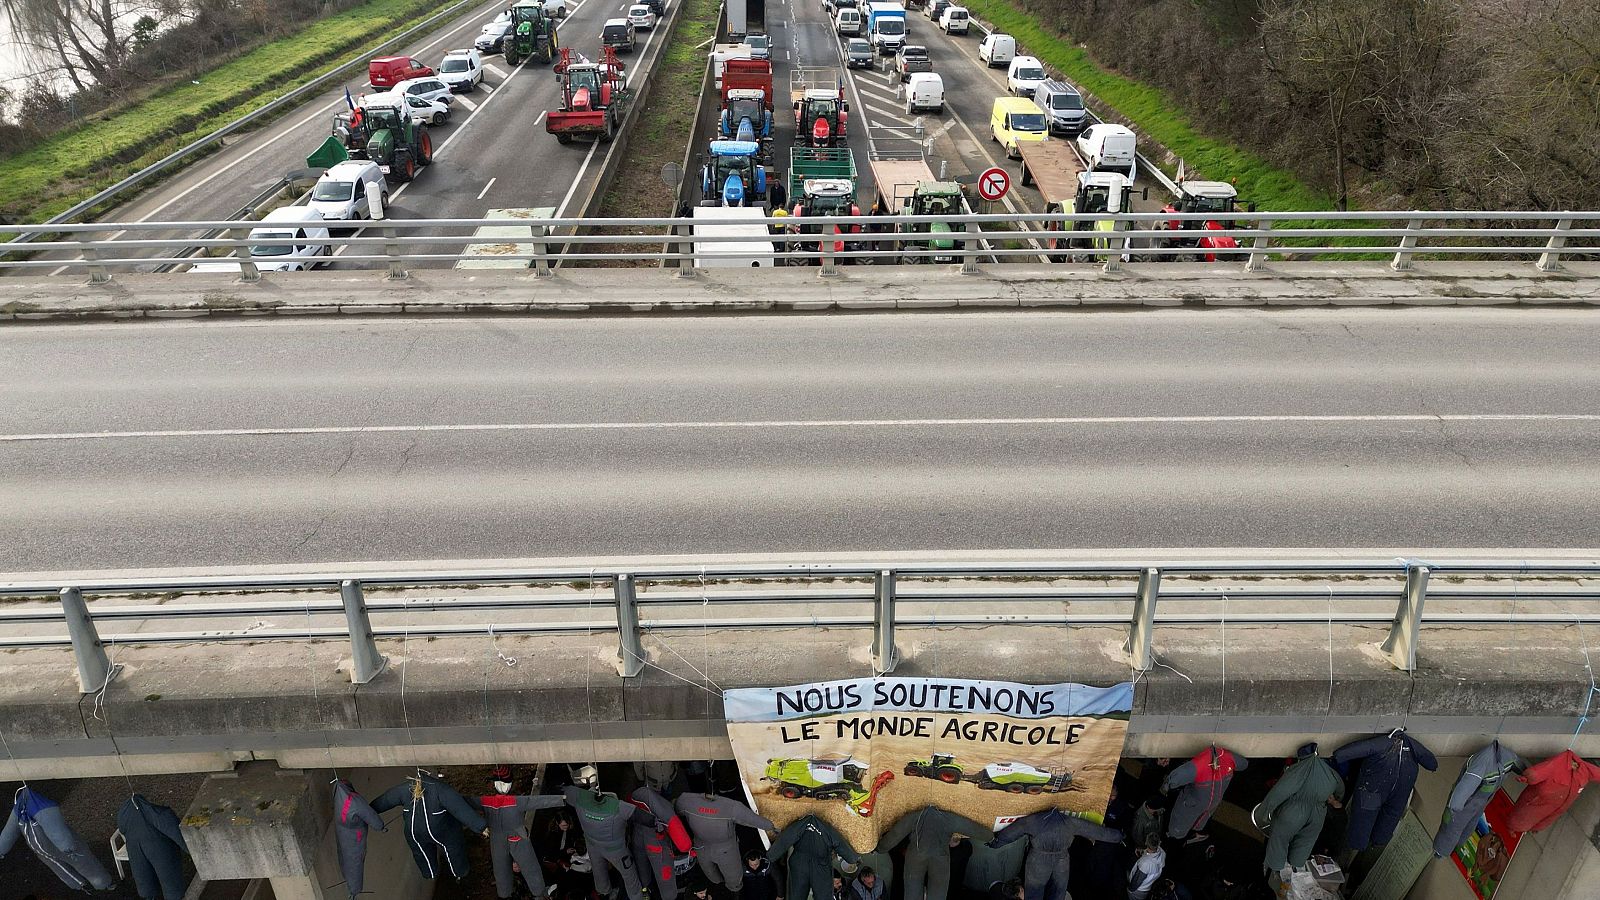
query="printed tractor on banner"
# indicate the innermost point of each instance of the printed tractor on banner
(1016, 778)
(827, 779)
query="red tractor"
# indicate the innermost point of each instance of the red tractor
(594, 97)
(821, 114)
(1217, 197)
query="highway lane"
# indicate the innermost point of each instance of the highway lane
(284, 442)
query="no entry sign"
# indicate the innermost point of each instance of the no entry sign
(993, 183)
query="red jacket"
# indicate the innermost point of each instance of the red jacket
(1552, 786)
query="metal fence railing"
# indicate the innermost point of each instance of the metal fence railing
(1138, 596)
(1252, 238)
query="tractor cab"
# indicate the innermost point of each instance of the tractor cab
(1217, 198)
(933, 198)
(733, 176)
(821, 117)
(826, 197)
(532, 33)
(746, 118)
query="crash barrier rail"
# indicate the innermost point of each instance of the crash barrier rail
(1138, 595)
(357, 61)
(1545, 237)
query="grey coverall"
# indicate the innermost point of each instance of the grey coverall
(1298, 805)
(1480, 777)
(1050, 835)
(927, 866)
(605, 829)
(352, 816)
(815, 843)
(37, 819)
(508, 839)
(156, 849)
(712, 820)
(657, 836)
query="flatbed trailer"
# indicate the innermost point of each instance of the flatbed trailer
(1053, 167)
(504, 246)
(897, 181)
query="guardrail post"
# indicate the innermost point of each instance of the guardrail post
(969, 248)
(365, 661)
(884, 655)
(829, 269)
(683, 248)
(1550, 259)
(94, 668)
(1142, 632)
(1402, 257)
(1401, 645)
(98, 274)
(1258, 251)
(541, 251)
(1115, 247)
(247, 266)
(630, 652)
(397, 266)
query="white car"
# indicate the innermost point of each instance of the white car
(429, 88)
(1024, 75)
(285, 226)
(462, 70)
(641, 16)
(341, 192)
(955, 20)
(428, 112)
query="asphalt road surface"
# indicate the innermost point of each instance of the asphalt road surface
(165, 444)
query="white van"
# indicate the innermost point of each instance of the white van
(955, 20)
(1109, 148)
(753, 251)
(290, 225)
(997, 49)
(848, 22)
(925, 90)
(1024, 75)
(341, 192)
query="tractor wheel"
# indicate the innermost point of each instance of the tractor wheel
(1035, 788)
(1015, 788)
(512, 58)
(912, 770)
(563, 138)
(425, 147)
(949, 774)
(611, 130)
(404, 165)
(790, 792)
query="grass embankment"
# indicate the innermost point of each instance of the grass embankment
(661, 130)
(73, 165)
(1155, 114)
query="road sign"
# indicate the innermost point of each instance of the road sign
(993, 183)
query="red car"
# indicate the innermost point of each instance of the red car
(387, 71)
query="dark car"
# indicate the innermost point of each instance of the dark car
(858, 53)
(493, 39)
(912, 58)
(659, 7)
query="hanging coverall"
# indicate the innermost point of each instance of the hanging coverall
(156, 849)
(1480, 778)
(1050, 834)
(927, 865)
(508, 839)
(712, 820)
(37, 819)
(1204, 780)
(352, 816)
(1298, 805)
(815, 843)
(604, 819)
(658, 837)
(1552, 787)
(1383, 787)
(434, 815)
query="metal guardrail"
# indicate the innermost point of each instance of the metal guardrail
(1139, 596)
(264, 111)
(1542, 236)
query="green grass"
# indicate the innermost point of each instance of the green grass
(1155, 114)
(73, 165)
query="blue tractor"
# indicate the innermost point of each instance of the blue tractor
(746, 117)
(733, 175)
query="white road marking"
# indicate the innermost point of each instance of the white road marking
(487, 87)
(808, 423)
(467, 103)
(571, 189)
(495, 69)
(486, 188)
(542, 114)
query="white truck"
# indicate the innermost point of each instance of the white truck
(753, 250)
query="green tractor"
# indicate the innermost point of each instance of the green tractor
(934, 241)
(381, 131)
(942, 767)
(533, 34)
(827, 779)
